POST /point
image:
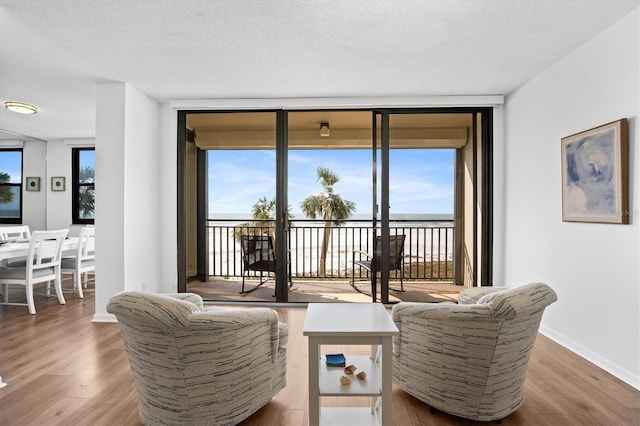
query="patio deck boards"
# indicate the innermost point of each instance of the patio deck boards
(314, 291)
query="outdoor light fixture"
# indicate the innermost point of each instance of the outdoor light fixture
(20, 107)
(324, 130)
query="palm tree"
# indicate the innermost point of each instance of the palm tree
(86, 193)
(330, 207)
(6, 194)
(264, 209)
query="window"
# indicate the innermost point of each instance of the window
(10, 185)
(83, 185)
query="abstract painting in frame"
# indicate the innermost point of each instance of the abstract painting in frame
(595, 175)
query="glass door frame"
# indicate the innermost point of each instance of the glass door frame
(485, 181)
(282, 219)
(382, 208)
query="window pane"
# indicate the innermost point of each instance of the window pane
(10, 186)
(84, 178)
(87, 166)
(11, 167)
(86, 202)
(10, 201)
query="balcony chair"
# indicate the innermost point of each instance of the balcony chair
(193, 366)
(258, 255)
(45, 250)
(372, 263)
(469, 359)
(84, 260)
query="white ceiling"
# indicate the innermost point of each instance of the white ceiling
(54, 52)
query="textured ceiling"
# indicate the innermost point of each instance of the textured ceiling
(53, 52)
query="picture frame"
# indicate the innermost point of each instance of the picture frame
(595, 174)
(32, 183)
(58, 183)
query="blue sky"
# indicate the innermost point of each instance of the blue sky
(421, 180)
(10, 162)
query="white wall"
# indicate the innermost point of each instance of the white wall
(140, 192)
(46, 209)
(167, 206)
(594, 268)
(34, 203)
(59, 203)
(126, 187)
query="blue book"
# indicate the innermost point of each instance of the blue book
(335, 360)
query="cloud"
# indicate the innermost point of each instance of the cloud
(421, 181)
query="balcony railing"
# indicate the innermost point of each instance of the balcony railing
(428, 249)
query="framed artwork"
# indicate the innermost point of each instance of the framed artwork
(33, 183)
(57, 183)
(595, 174)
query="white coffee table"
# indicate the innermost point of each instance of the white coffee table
(350, 324)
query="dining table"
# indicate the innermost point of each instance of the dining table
(20, 248)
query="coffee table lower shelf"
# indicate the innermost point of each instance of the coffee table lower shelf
(351, 416)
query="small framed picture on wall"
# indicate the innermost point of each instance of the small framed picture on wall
(33, 183)
(57, 183)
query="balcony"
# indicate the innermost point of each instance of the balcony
(428, 256)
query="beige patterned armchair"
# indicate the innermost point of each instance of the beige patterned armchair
(469, 359)
(194, 367)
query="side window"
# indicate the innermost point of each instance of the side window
(83, 181)
(10, 185)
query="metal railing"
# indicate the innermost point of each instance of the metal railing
(428, 249)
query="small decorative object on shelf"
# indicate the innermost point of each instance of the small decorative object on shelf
(350, 369)
(361, 375)
(336, 360)
(345, 380)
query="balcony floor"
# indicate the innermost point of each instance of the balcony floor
(314, 291)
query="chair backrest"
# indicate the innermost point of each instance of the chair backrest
(480, 375)
(157, 312)
(196, 368)
(257, 250)
(86, 244)
(396, 252)
(45, 249)
(21, 232)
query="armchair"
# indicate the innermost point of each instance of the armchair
(192, 366)
(469, 359)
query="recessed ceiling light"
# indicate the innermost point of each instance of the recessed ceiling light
(20, 107)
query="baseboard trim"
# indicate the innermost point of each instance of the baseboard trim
(104, 318)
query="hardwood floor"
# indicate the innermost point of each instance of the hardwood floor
(62, 369)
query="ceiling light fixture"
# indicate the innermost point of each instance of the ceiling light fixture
(324, 130)
(20, 107)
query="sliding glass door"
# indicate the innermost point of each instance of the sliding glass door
(326, 185)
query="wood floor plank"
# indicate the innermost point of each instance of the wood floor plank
(62, 369)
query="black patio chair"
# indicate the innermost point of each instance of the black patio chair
(258, 255)
(373, 263)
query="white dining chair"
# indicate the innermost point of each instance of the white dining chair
(84, 260)
(14, 233)
(43, 265)
(11, 233)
